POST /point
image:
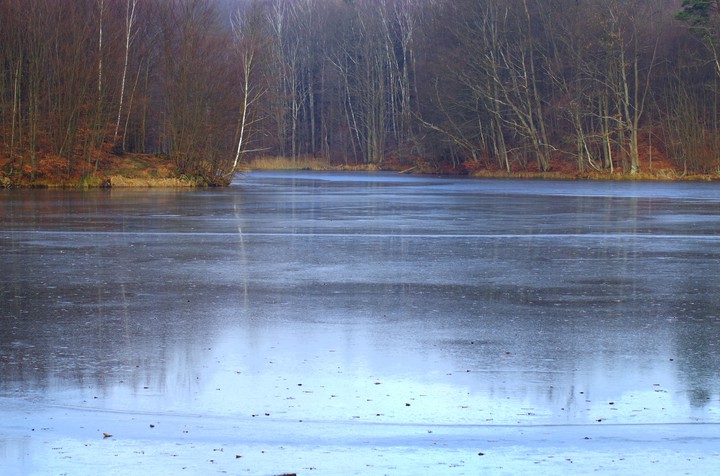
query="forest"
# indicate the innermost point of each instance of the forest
(621, 87)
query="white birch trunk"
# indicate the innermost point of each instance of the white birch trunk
(129, 36)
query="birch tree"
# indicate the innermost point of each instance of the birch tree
(249, 40)
(129, 37)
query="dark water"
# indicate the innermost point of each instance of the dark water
(371, 297)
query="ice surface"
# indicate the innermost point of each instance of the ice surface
(325, 323)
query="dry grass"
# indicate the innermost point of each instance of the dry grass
(658, 175)
(307, 163)
(285, 163)
(121, 181)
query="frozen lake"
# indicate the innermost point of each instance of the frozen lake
(370, 324)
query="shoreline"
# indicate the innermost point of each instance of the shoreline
(148, 178)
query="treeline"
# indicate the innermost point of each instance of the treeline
(607, 85)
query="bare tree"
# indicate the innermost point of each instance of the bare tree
(249, 45)
(130, 34)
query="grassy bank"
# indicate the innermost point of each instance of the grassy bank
(313, 163)
(130, 170)
(664, 173)
(143, 171)
(285, 163)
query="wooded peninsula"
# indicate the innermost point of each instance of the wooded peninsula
(188, 92)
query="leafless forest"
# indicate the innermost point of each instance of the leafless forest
(581, 85)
